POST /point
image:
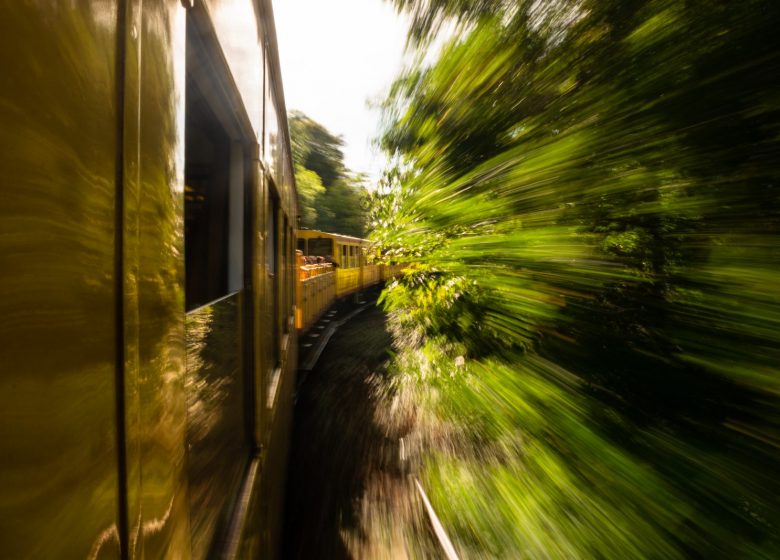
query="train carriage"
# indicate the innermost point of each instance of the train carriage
(147, 291)
(346, 268)
(346, 252)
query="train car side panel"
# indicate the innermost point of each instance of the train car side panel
(155, 404)
(347, 281)
(372, 274)
(164, 505)
(129, 223)
(281, 364)
(59, 485)
(316, 291)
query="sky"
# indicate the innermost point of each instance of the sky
(336, 55)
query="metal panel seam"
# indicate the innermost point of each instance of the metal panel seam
(119, 282)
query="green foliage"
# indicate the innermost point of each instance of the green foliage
(310, 191)
(586, 193)
(330, 197)
(315, 148)
(435, 305)
(343, 208)
(427, 17)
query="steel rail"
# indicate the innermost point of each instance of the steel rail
(441, 534)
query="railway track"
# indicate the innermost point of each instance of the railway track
(350, 494)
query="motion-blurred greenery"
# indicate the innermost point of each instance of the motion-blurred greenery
(586, 196)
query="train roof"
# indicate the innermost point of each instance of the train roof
(339, 236)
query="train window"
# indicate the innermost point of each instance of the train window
(302, 245)
(321, 247)
(270, 239)
(287, 296)
(213, 203)
(218, 321)
(273, 257)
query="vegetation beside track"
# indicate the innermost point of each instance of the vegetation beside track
(586, 196)
(349, 495)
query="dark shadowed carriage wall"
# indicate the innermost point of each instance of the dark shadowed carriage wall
(147, 340)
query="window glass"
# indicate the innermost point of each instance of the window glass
(272, 258)
(321, 247)
(213, 204)
(216, 383)
(285, 258)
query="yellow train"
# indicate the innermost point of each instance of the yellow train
(147, 280)
(330, 267)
